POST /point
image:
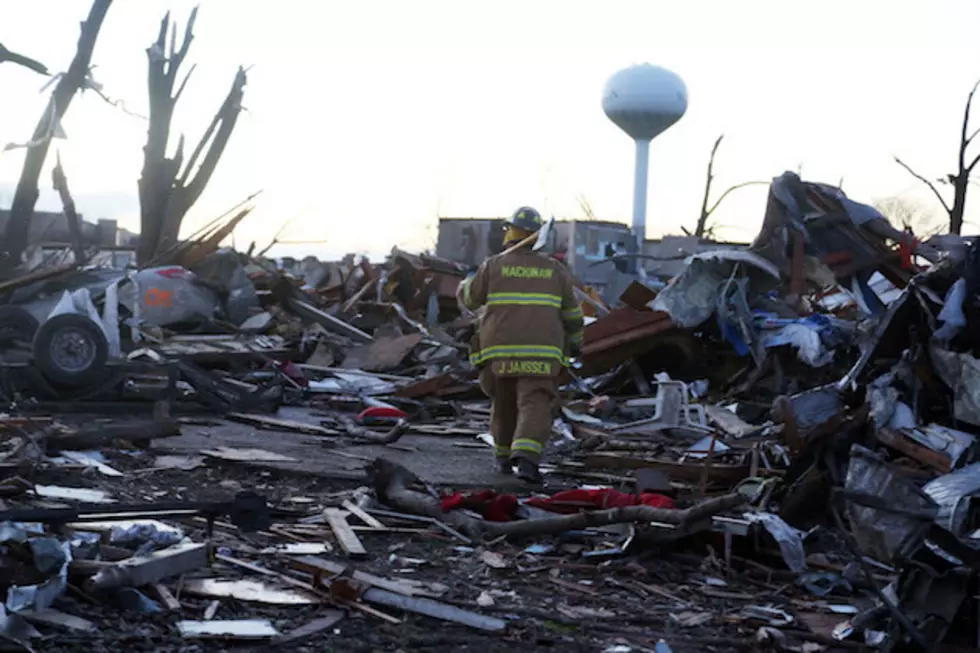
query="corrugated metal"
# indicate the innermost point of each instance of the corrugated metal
(952, 492)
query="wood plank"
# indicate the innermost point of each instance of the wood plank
(211, 610)
(165, 597)
(401, 586)
(360, 514)
(346, 536)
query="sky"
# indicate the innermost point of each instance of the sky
(366, 120)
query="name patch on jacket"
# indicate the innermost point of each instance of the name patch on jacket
(522, 272)
(522, 368)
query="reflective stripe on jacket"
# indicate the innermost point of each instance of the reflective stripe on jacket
(531, 314)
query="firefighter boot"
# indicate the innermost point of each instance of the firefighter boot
(505, 466)
(527, 471)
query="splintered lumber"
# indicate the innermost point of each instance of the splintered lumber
(148, 569)
(346, 537)
(391, 482)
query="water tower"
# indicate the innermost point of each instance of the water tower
(643, 100)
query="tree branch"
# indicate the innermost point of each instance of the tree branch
(19, 59)
(924, 181)
(964, 140)
(703, 216)
(973, 164)
(734, 188)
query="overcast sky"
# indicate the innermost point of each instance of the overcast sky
(367, 119)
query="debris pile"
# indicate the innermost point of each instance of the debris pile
(777, 451)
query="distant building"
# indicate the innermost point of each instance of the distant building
(588, 247)
(50, 228)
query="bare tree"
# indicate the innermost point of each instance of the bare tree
(910, 214)
(25, 197)
(702, 230)
(169, 186)
(960, 180)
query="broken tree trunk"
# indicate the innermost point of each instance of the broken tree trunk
(391, 484)
(168, 187)
(25, 197)
(60, 182)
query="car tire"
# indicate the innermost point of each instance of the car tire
(16, 324)
(71, 350)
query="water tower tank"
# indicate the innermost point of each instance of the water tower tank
(643, 101)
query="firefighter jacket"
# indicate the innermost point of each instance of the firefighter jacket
(530, 318)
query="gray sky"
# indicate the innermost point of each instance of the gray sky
(367, 119)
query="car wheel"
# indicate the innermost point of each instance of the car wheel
(71, 350)
(16, 324)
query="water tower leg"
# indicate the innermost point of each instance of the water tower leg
(640, 193)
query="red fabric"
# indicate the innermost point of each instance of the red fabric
(906, 249)
(382, 412)
(493, 506)
(571, 501)
(502, 507)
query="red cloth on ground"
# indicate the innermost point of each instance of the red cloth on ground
(493, 506)
(571, 501)
(502, 507)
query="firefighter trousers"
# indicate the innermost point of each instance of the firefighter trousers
(520, 413)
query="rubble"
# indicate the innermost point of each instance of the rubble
(296, 453)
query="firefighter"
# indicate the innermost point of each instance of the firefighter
(531, 323)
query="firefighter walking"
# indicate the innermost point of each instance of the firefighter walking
(532, 322)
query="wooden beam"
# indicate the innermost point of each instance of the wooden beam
(346, 536)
